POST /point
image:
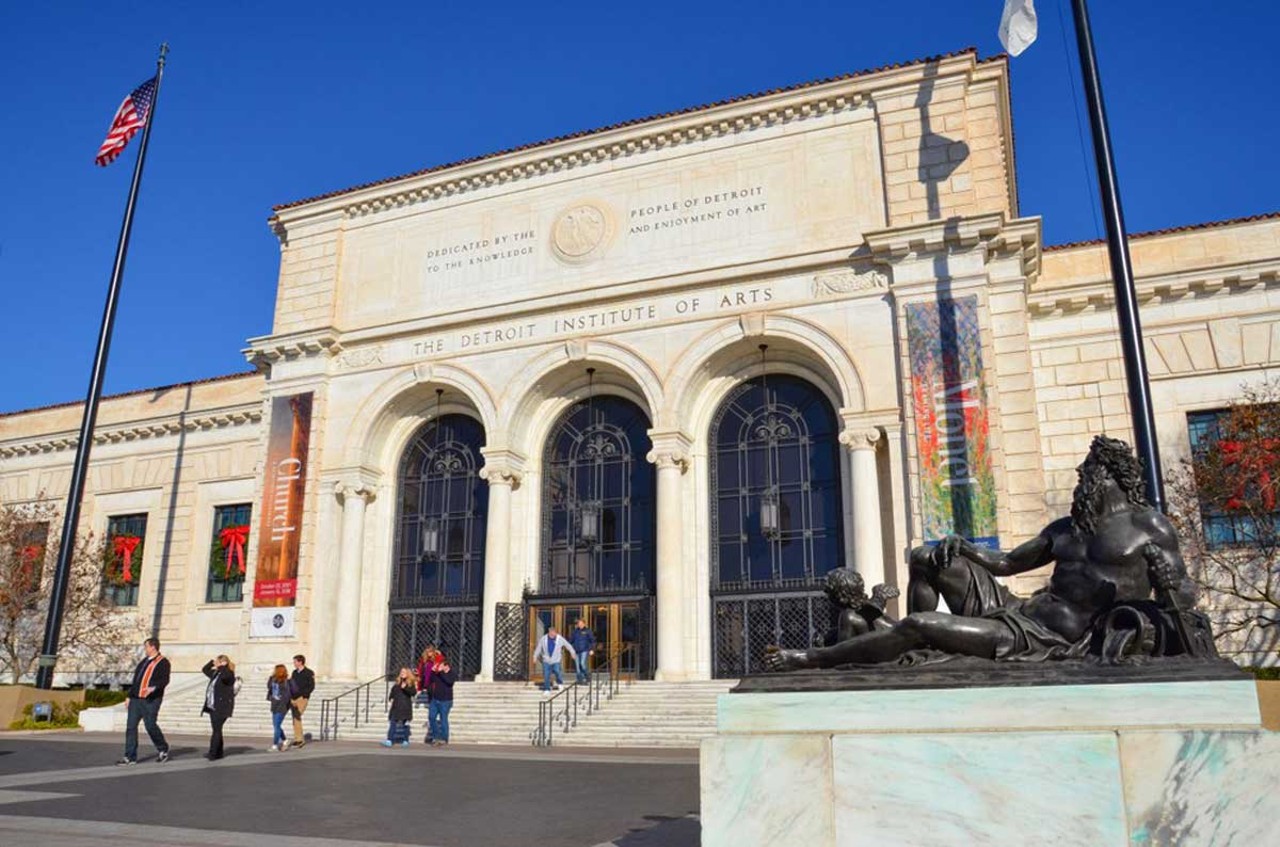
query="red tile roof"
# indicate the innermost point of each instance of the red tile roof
(1170, 230)
(636, 121)
(223, 378)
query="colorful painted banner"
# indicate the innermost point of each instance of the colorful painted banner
(949, 406)
(275, 586)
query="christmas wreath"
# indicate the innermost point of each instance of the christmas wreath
(227, 555)
(123, 563)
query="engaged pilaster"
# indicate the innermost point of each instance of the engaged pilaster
(503, 470)
(868, 546)
(356, 494)
(670, 455)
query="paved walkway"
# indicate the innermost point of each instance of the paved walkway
(62, 790)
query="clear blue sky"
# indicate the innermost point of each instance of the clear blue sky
(264, 103)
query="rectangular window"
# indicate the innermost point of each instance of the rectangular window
(227, 553)
(122, 565)
(1222, 527)
(31, 541)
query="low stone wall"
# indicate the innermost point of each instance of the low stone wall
(15, 698)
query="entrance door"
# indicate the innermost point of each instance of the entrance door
(618, 627)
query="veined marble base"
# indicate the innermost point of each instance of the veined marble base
(1087, 765)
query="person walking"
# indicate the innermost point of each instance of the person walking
(583, 641)
(400, 713)
(279, 695)
(146, 693)
(550, 651)
(219, 700)
(303, 682)
(443, 676)
(424, 685)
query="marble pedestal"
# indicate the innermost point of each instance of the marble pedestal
(1108, 765)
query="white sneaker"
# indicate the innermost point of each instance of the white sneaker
(273, 749)
(284, 746)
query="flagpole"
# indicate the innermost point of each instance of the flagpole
(71, 517)
(1135, 364)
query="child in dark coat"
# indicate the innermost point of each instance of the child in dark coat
(400, 712)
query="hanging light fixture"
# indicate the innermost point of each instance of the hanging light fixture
(431, 529)
(589, 510)
(770, 523)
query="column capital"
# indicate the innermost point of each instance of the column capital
(356, 481)
(502, 466)
(860, 438)
(355, 487)
(670, 449)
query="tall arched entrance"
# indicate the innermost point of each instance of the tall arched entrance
(776, 519)
(599, 528)
(438, 556)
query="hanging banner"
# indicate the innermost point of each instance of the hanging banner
(275, 585)
(949, 407)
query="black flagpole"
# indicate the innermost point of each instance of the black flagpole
(61, 575)
(1135, 361)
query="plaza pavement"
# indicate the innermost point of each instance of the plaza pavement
(63, 790)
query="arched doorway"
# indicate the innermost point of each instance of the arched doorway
(441, 511)
(776, 519)
(599, 528)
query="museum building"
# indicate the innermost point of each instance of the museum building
(662, 376)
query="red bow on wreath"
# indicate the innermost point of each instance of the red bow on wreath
(123, 546)
(1254, 469)
(31, 553)
(233, 539)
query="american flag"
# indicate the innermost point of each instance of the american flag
(130, 117)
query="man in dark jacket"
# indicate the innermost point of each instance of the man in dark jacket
(303, 682)
(145, 695)
(583, 641)
(219, 700)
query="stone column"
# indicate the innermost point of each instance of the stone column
(868, 544)
(502, 478)
(670, 455)
(346, 627)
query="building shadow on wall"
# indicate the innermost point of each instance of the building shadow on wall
(166, 549)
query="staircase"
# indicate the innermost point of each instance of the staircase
(641, 714)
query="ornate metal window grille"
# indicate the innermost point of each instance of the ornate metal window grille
(774, 453)
(219, 588)
(455, 631)
(511, 642)
(442, 506)
(598, 518)
(744, 626)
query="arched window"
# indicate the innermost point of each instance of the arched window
(775, 483)
(442, 508)
(598, 519)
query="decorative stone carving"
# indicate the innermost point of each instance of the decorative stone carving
(580, 232)
(345, 488)
(669, 459)
(848, 282)
(363, 357)
(860, 439)
(496, 474)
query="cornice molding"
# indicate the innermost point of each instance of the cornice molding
(266, 350)
(138, 430)
(1163, 288)
(819, 100)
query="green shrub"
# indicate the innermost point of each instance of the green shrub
(65, 716)
(95, 699)
(1272, 672)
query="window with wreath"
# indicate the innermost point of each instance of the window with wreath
(26, 543)
(227, 551)
(598, 518)
(1235, 465)
(122, 558)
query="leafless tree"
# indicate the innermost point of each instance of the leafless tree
(95, 634)
(1225, 500)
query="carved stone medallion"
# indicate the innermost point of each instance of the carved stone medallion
(580, 233)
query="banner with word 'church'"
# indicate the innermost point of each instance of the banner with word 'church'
(275, 586)
(949, 408)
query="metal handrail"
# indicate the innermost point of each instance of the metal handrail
(331, 714)
(605, 682)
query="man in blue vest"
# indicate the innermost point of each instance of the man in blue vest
(583, 641)
(550, 651)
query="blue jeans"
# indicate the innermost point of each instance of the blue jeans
(438, 720)
(549, 668)
(277, 728)
(582, 668)
(398, 732)
(146, 711)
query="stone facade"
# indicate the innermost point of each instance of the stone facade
(662, 254)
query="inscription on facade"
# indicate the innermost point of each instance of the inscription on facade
(692, 210)
(480, 252)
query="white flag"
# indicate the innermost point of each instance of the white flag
(1017, 26)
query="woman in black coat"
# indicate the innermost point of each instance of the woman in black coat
(400, 713)
(219, 700)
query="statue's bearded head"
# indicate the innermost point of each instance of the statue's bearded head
(1110, 462)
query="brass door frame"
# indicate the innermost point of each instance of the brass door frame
(563, 615)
